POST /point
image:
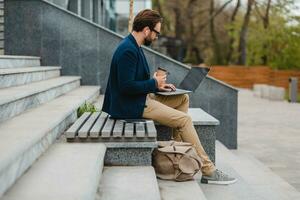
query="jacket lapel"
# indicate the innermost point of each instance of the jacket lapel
(140, 50)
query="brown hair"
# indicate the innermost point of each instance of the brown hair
(145, 18)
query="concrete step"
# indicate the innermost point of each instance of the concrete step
(171, 190)
(19, 76)
(255, 180)
(99, 102)
(10, 61)
(128, 183)
(64, 172)
(15, 100)
(240, 190)
(25, 137)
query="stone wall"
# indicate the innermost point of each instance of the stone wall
(1, 27)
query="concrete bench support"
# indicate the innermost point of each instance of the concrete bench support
(205, 126)
(128, 142)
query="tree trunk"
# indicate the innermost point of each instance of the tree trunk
(196, 51)
(179, 29)
(216, 46)
(242, 49)
(231, 30)
(266, 26)
(130, 20)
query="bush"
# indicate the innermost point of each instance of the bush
(86, 107)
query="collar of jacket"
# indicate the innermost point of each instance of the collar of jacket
(132, 39)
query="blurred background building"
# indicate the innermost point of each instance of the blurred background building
(122, 13)
(112, 14)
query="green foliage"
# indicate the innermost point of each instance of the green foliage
(86, 107)
(280, 42)
(273, 37)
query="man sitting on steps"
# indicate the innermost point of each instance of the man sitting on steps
(130, 92)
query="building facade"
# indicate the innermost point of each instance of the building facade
(101, 12)
(112, 14)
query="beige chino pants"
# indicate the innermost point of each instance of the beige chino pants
(172, 111)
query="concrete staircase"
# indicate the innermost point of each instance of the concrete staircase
(255, 180)
(36, 106)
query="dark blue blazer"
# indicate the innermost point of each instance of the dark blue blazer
(129, 81)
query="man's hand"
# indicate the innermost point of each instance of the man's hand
(167, 88)
(161, 80)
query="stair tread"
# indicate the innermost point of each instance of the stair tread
(12, 61)
(17, 92)
(18, 57)
(240, 190)
(171, 190)
(21, 132)
(8, 71)
(65, 171)
(255, 180)
(128, 183)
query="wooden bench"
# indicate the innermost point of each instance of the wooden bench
(99, 126)
(128, 142)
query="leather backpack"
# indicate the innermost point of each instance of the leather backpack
(176, 161)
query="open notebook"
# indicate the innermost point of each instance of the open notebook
(190, 83)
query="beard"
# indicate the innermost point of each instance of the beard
(147, 41)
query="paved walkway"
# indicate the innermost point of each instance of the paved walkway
(270, 131)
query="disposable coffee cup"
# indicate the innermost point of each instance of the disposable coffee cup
(161, 71)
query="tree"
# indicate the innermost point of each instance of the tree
(215, 40)
(242, 49)
(130, 19)
(265, 19)
(181, 24)
(280, 41)
(223, 32)
(231, 32)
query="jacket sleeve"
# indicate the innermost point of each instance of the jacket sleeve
(126, 70)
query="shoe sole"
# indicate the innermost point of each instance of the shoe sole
(205, 181)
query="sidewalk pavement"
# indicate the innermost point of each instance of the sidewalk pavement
(270, 131)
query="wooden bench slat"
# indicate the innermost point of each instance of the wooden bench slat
(100, 126)
(151, 130)
(140, 129)
(94, 132)
(118, 128)
(84, 130)
(108, 127)
(71, 132)
(129, 129)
